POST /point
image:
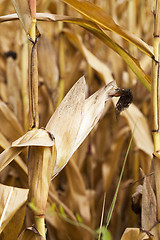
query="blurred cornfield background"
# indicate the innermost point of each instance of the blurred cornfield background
(66, 52)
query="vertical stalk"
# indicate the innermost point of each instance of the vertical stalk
(35, 161)
(155, 98)
(33, 71)
(61, 54)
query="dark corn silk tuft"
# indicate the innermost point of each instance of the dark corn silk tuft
(126, 98)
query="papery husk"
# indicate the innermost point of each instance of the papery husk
(65, 123)
(75, 117)
(40, 169)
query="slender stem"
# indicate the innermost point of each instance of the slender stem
(40, 225)
(61, 54)
(34, 118)
(33, 76)
(155, 98)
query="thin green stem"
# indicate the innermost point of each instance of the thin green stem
(117, 189)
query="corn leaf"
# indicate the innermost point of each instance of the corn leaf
(4, 143)
(149, 209)
(101, 34)
(11, 199)
(12, 129)
(35, 137)
(24, 13)
(100, 17)
(66, 121)
(131, 62)
(13, 228)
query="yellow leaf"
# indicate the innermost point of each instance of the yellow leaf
(100, 17)
(99, 66)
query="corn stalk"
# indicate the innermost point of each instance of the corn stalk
(155, 98)
(38, 169)
(33, 71)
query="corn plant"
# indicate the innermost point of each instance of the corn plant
(47, 115)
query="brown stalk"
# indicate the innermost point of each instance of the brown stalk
(40, 170)
(61, 54)
(33, 70)
(33, 83)
(155, 98)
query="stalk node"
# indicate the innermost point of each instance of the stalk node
(156, 61)
(155, 131)
(156, 36)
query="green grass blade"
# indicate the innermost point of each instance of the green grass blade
(117, 189)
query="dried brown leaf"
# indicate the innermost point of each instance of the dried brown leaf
(24, 13)
(100, 17)
(75, 118)
(149, 209)
(12, 128)
(77, 191)
(11, 199)
(13, 80)
(8, 155)
(95, 64)
(134, 233)
(35, 137)
(5, 144)
(132, 114)
(13, 228)
(66, 121)
(109, 168)
(138, 124)
(49, 70)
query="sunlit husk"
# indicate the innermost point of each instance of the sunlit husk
(40, 168)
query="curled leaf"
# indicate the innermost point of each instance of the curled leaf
(35, 137)
(75, 117)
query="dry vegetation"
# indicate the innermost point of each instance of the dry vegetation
(82, 194)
